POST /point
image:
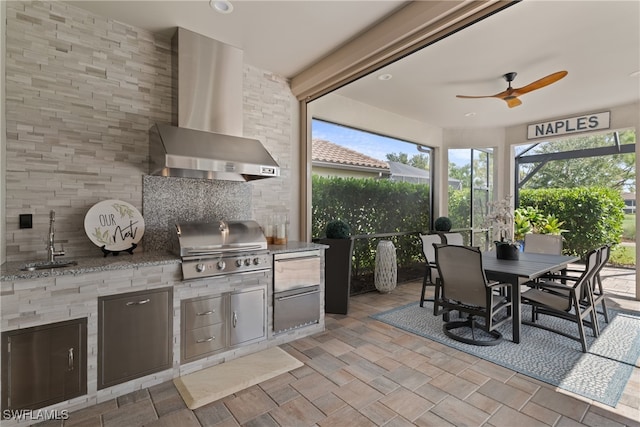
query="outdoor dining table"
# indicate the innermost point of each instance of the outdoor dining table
(528, 266)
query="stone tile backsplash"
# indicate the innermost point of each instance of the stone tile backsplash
(82, 92)
(167, 200)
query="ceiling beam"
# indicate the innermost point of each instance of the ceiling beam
(579, 154)
(418, 24)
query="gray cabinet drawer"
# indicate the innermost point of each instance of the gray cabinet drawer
(296, 272)
(203, 312)
(204, 340)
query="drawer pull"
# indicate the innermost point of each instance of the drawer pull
(205, 340)
(141, 302)
(205, 313)
(297, 295)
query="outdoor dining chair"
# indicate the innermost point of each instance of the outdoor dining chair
(431, 276)
(596, 284)
(543, 243)
(571, 301)
(465, 289)
(452, 238)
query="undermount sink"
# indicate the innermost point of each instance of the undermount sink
(43, 265)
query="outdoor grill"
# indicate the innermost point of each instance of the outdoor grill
(209, 249)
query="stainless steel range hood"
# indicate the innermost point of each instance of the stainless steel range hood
(206, 139)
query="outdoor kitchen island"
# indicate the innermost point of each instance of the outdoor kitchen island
(41, 298)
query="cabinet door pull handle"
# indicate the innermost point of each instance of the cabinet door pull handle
(70, 358)
(235, 319)
(205, 313)
(144, 301)
(205, 340)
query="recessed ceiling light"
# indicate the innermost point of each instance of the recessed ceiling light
(385, 77)
(635, 74)
(470, 114)
(222, 6)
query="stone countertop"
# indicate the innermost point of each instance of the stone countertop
(10, 271)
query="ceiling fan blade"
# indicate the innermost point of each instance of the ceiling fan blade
(545, 81)
(501, 95)
(467, 96)
(512, 101)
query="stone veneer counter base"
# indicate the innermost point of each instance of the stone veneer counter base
(208, 385)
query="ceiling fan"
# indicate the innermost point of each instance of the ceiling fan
(510, 95)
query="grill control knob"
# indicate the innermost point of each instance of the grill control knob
(238, 262)
(257, 261)
(247, 262)
(200, 268)
(221, 265)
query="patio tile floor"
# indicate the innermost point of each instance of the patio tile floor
(360, 372)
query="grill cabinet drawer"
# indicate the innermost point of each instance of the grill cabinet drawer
(204, 340)
(203, 312)
(296, 308)
(296, 270)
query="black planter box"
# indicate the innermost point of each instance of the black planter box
(337, 279)
(507, 251)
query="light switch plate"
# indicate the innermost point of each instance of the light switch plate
(26, 221)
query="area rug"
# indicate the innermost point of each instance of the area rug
(211, 384)
(601, 374)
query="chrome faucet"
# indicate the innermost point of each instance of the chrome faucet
(51, 247)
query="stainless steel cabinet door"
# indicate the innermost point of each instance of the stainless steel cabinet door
(248, 318)
(44, 365)
(134, 335)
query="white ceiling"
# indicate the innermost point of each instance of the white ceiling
(283, 37)
(597, 42)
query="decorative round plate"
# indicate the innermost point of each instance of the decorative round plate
(114, 224)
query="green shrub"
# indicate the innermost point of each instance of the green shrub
(460, 208)
(623, 256)
(629, 227)
(592, 215)
(372, 206)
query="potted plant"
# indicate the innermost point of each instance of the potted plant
(501, 219)
(521, 226)
(529, 219)
(337, 266)
(442, 224)
(550, 224)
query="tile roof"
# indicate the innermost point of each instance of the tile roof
(325, 151)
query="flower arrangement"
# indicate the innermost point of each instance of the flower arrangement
(500, 217)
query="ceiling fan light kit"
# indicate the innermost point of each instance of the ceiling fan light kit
(510, 95)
